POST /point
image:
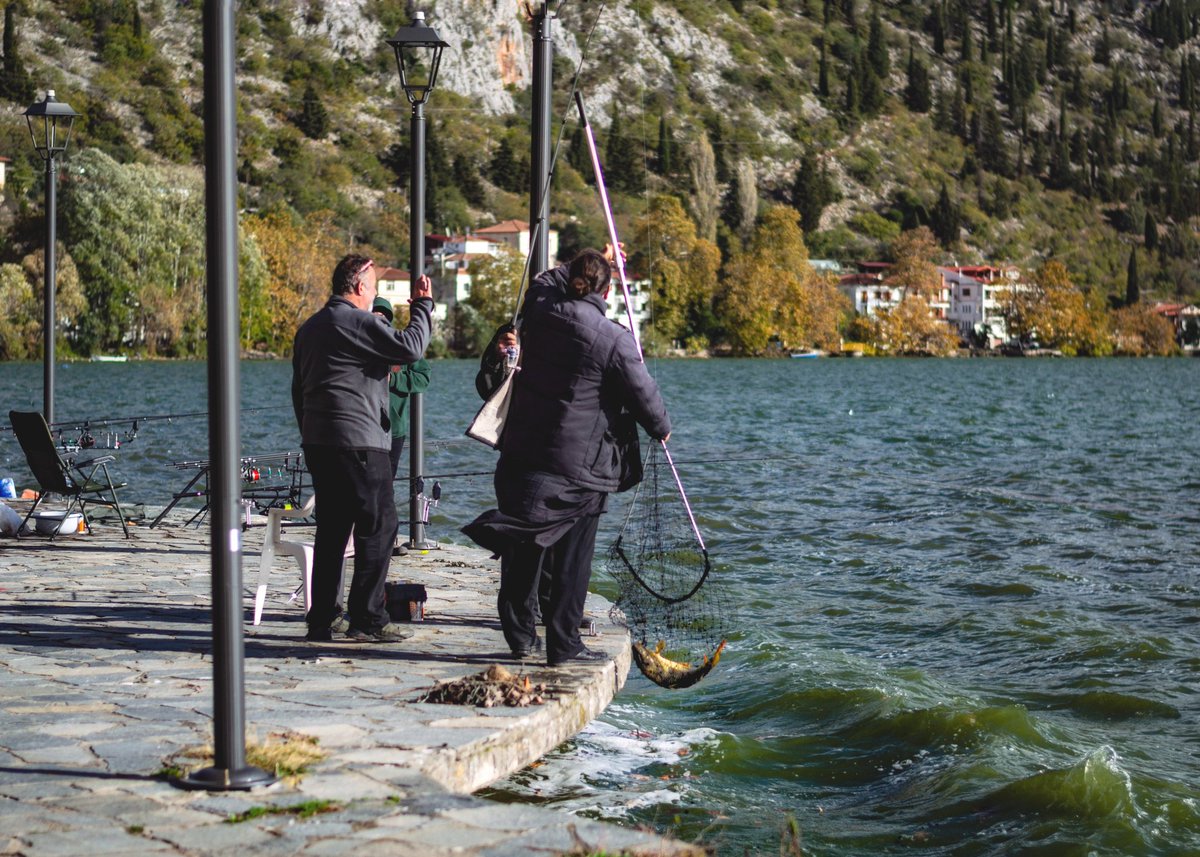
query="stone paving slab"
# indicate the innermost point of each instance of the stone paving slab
(106, 677)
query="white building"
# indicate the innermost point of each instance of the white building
(975, 301)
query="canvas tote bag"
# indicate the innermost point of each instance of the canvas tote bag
(488, 424)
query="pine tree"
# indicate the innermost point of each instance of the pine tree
(1133, 292)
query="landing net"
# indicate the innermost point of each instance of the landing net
(676, 613)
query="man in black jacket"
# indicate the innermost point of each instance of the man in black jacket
(340, 365)
(559, 457)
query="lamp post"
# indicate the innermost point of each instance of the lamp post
(418, 54)
(50, 123)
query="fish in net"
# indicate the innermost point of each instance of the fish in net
(675, 611)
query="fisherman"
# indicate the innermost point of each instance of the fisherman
(403, 381)
(559, 457)
(340, 364)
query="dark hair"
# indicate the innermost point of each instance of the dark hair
(588, 274)
(348, 271)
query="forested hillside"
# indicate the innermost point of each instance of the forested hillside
(740, 137)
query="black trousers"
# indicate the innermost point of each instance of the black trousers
(566, 566)
(354, 490)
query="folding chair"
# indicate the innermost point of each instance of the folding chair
(76, 481)
(302, 552)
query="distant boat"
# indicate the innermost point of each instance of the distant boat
(109, 358)
(804, 354)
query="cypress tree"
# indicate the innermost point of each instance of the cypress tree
(666, 146)
(1133, 292)
(1150, 231)
(945, 219)
(812, 191)
(577, 154)
(939, 29)
(916, 93)
(823, 73)
(966, 49)
(503, 167)
(313, 119)
(877, 51)
(1156, 123)
(15, 82)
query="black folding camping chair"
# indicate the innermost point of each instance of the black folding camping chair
(80, 483)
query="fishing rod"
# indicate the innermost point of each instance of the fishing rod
(619, 258)
(114, 438)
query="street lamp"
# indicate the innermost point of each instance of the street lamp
(418, 50)
(50, 123)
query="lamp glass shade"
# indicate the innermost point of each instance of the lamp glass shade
(50, 123)
(418, 50)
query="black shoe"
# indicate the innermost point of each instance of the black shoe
(319, 635)
(389, 633)
(400, 550)
(584, 655)
(534, 650)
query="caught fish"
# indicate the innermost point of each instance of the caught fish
(668, 673)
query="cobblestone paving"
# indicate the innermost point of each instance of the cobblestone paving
(106, 682)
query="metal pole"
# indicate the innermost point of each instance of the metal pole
(539, 156)
(416, 267)
(229, 770)
(48, 323)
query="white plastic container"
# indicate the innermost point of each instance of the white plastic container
(57, 523)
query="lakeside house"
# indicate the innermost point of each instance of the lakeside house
(450, 257)
(967, 296)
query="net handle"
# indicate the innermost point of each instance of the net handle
(620, 260)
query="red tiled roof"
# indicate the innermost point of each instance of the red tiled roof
(391, 274)
(504, 227)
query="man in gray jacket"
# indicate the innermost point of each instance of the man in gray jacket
(340, 364)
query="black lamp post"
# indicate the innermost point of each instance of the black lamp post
(418, 54)
(50, 122)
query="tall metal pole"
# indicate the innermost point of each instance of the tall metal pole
(539, 155)
(416, 267)
(48, 323)
(229, 770)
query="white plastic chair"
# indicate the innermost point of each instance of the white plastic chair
(302, 552)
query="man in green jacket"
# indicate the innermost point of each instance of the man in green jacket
(402, 381)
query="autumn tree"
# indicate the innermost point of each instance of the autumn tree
(495, 281)
(682, 268)
(1057, 313)
(775, 297)
(1139, 331)
(299, 255)
(911, 326)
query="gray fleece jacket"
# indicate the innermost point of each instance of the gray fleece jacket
(340, 363)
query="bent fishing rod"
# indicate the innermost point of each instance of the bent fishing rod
(619, 258)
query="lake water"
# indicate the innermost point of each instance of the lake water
(969, 597)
